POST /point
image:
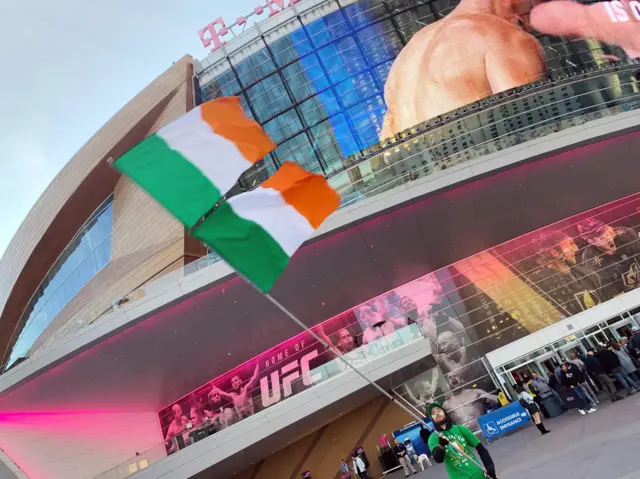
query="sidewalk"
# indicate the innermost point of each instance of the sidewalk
(602, 445)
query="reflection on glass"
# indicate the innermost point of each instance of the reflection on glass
(293, 367)
(88, 252)
(340, 63)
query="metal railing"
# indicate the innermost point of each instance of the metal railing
(200, 423)
(460, 137)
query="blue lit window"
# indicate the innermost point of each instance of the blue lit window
(81, 260)
(255, 67)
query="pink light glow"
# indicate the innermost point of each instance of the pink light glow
(51, 419)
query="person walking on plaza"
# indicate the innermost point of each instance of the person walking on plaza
(544, 391)
(571, 378)
(633, 346)
(451, 439)
(611, 365)
(345, 473)
(403, 458)
(625, 361)
(595, 368)
(359, 467)
(591, 395)
(526, 400)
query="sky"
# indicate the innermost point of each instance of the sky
(68, 66)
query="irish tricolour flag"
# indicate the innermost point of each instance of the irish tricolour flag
(190, 164)
(257, 232)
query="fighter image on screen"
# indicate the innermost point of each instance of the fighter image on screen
(573, 287)
(449, 337)
(484, 47)
(342, 341)
(216, 412)
(423, 390)
(479, 49)
(613, 252)
(178, 426)
(563, 18)
(375, 326)
(466, 404)
(241, 395)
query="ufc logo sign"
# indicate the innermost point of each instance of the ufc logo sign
(273, 393)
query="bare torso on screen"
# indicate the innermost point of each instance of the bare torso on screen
(469, 55)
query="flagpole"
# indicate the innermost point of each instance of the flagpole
(339, 355)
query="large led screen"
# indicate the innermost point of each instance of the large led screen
(466, 310)
(341, 79)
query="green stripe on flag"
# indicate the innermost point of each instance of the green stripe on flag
(244, 245)
(169, 178)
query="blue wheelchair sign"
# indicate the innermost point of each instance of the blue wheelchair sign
(501, 421)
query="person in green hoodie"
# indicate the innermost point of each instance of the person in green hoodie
(451, 439)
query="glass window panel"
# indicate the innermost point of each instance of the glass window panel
(381, 72)
(75, 267)
(269, 97)
(225, 84)
(305, 77)
(365, 12)
(83, 272)
(444, 7)
(328, 146)
(95, 237)
(290, 48)
(91, 265)
(245, 106)
(401, 5)
(107, 247)
(367, 118)
(343, 129)
(104, 225)
(414, 20)
(380, 42)
(328, 28)
(85, 248)
(75, 283)
(319, 107)
(342, 59)
(283, 126)
(357, 89)
(102, 256)
(299, 150)
(254, 67)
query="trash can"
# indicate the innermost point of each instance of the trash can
(553, 406)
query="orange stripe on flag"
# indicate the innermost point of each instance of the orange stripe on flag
(227, 118)
(308, 193)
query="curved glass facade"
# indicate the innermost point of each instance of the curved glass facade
(88, 253)
(316, 82)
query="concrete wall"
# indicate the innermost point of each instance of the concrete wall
(320, 451)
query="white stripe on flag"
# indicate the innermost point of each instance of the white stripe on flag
(267, 208)
(216, 157)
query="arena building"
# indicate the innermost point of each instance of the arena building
(489, 225)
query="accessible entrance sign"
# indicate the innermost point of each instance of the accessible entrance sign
(501, 421)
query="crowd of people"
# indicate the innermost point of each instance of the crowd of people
(612, 369)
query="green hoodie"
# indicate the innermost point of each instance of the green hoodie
(458, 466)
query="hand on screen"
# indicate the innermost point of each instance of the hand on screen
(616, 23)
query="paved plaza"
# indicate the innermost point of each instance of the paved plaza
(603, 445)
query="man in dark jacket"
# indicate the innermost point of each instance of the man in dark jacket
(453, 438)
(571, 378)
(597, 371)
(611, 364)
(634, 344)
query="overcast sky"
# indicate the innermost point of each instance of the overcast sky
(69, 65)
